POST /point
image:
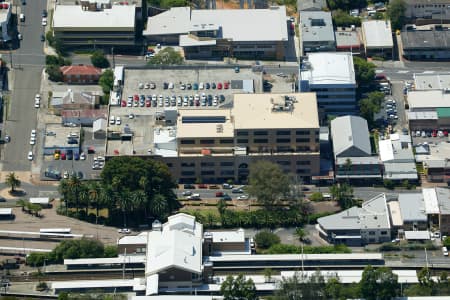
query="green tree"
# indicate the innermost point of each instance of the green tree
(267, 183)
(378, 284)
(265, 239)
(316, 196)
(110, 251)
(106, 81)
(424, 277)
(446, 241)
(396, 12)
(343, 19)
(99, 60)
(334, 289)
(371, 105)
(12, 181)
(346, 4)
(238, 288)
(343, 194)
(300, 286)
(221, 208)
(54, 73)
(167, 56)
(268, 272)
(389, 184)
(82, 248)
(364, 71)
(300, 233)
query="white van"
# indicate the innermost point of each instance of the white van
(445, 251)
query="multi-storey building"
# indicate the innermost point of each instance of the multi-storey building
(331, 76)
(431, 10)
(218, 145)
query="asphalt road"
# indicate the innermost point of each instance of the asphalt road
(27, 63)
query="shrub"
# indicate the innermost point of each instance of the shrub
(54, 74)
(265, 239)
(36, 259)
(99, 60)
(389, 184)
(316, 196)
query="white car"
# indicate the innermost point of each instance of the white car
(37, 97)
(112, 120)
(118, 121)
(30, 155)
(243, 197)
(124, 231)
(33, 132)
(44, 21)
(66, 175)
(83, 156)
(32, 140)
(19, 36)
(37, 104)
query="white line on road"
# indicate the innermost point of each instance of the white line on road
(403, 72)
(379, 71)
(428, 72)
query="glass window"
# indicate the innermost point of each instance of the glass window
(227, 164)
(303, 163)
(242, 141)
(302, 132)
(284, 162)
(187, 142)
(226, 141)
(209, 142)
(208, 172)
(260, 141)
(283, 140)
(260, 132)
(242, 133)
(207, 164)
(302, 140)
(283, 132)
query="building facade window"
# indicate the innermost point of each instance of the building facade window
(303, 163)
(242, 133)
(260, 132)
(284, 162)
(242, 141)
(283, 132)
(302, 132)
(207, 142)
(302, 140)
(187, 173)
(227, 164)
(186, 164)
(187, 142)
(207, 164)
(260, 141)
(226, 141)
(283, 140)
(207, 173)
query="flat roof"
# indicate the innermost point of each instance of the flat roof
(396, 216)
(428, 99)
(412, 207)
(130, 259)
(431, 81)
(443, 198)
(204, 123)
(139, 239)
(422, 115)
(72, 18)
(443, 112)
(287, 257)
(430, 200)
(236, 236)
(417, 235)
(235, 24)
(316, 26)
(5, 211)
(347, 39)
(377, 34)
(426, 39)
(255, 111)
(5, 13)
(329, 68)
(84, 284)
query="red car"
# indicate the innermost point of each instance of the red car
(219, 194)
(202, 186)
(148, 103)
(136, 97)
(445, 132)
(226, 85)
(434, 133)
(63, 156)
(124, 103)
(219, 86)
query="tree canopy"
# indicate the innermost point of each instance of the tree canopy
(343, 19)
(364, 71)
(378, 284)
(238, 288)
(54, 73)
(343, 194)
(268, 183)
(99, 60)
(167, 56)
(265, 239)
(396, 12)
(346, 4)
(106, 81)
(13, 182)
(371, 105)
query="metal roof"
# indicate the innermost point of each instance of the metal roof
(443, 112)
(430, 200)
(377, 34)
(412, 207)
(426, 39)
(350, 136)
(316, 26)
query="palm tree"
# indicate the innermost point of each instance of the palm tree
(75, 185)
(63, 190)
(94, 195)
(139, 202)
(22, 203)
(159, 207)
(13, 182)
(124, 201)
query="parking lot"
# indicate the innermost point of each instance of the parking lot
(83, 168)
(194, 87)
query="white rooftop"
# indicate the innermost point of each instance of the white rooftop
(165, 141)
(429, 99)
(431, 81)
(177, 245)
(377, 34)
(119, 17)
(236, 236)
(5, 211)
(330, 68)
(430, 200)
(236, 24)
(41, 200)
(139, 239)
(92, 284)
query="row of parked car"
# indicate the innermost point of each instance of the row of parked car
(68, 155)
(188, 86)
(430, 133)
(391, 109)
(167, 101)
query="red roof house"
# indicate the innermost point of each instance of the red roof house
(80, 74)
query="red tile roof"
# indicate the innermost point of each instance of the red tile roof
(80, 70)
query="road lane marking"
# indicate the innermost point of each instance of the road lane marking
(403, 72)
(428, 72)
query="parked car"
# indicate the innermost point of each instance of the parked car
(243, 197)
(202, 186)
(124, 231)
(189, 186)
(237, 191)
(30, 156)
(219, 194)
(187, 193)
(194, 197)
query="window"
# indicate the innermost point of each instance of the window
(302, 132)
(283, 132)
(209, 142)
(226, 141)
(242, 141)
(371, 232)
(227, 172)
(226, 164)
(383, 232)
(302, 148)
(302, 171)
(260, 141)
(303, 163)
(187, 173)
(283, 140)
(170, 165)
(188, 164)
(302, 140)
(209, 172)
(260, 132)
(242, 133)
(284, 163)
(187, 142)
(208, 164)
